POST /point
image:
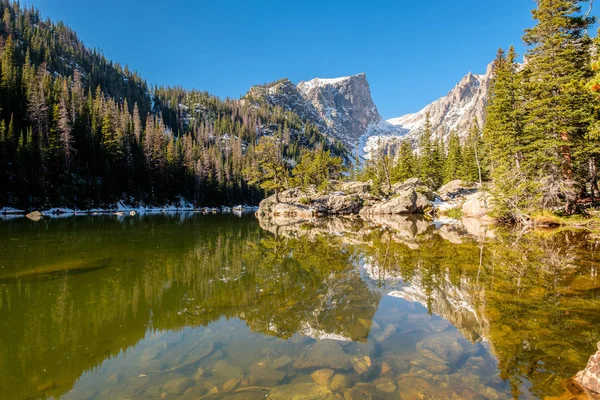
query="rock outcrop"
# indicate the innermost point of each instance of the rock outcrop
(409, 197)
(342, 108)
(589, 378)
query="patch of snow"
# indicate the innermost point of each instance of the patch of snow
(11, 210)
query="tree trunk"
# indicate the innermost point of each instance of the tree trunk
(593, 170)
(478, 164)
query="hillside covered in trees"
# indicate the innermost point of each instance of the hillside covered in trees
(78, 130)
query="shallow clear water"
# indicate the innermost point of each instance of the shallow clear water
(220, 307)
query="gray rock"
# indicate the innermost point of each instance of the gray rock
(445, 348)
(589, 378)
(263, 375)
(322, 376)
(405, 202)
(281, 362)
(301, 391)
(455, 189)
(226, 369)
(340, 382)
(324, 354)
(178, 385)
(477, 205)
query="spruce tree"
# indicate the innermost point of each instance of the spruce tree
(454, 159)
(557, 108)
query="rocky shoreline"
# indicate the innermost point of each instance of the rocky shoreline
(360, 199)
(121, 209)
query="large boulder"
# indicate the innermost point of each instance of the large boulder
(289, 203)
(342, 204)
(589, 378)
(477, 205)
(408, 201)
(455, 189)
(358, 188)
(35, 216)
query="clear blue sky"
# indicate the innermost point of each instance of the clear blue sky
(413, 52)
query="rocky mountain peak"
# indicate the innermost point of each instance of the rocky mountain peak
(340, 107)
(453, 112)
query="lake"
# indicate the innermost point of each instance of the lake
(187, 306)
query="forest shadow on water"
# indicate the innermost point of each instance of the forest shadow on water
(220, 307)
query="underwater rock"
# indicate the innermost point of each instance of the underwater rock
(385, 368)
(361, 365)
(429, 365)
(113, 379)
(340, 382)
(225, 369)
(385, 385)
(301, 391)
(262, 375)
(444, 348)
(151, 352)
(325, 354)
(178, 385)
(281, 362)
(231, 384)
(413, 388)
(388, 331)
(322, 376)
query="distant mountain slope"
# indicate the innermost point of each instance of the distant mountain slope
(453, 112)
(343, 109)
(340, 107)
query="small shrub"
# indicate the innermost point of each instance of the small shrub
(454, 213)
(305, 201)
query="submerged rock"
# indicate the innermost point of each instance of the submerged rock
(385, 385)
(340, 382)
(325, 354)
(322, 376)
(302, 391)
(281, 362)
(444, 348)
(178, 385)
(262, 375)
(226, 369)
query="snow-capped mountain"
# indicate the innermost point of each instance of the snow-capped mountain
(453, 112)
(343, 109)
(340, 107)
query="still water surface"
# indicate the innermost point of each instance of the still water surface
(219, 307)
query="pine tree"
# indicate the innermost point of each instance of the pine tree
(427, 168)
(454, 160)
(64, 127)
(557, 107)
(591, 145)
(405, 163)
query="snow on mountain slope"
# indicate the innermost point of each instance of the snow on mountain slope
(453, 112)
(340, 107)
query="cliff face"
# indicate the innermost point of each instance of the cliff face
(341, 107)
(453, 112)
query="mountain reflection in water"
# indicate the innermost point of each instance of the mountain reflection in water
(192, 306)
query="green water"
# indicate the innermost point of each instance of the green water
(219, 307)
